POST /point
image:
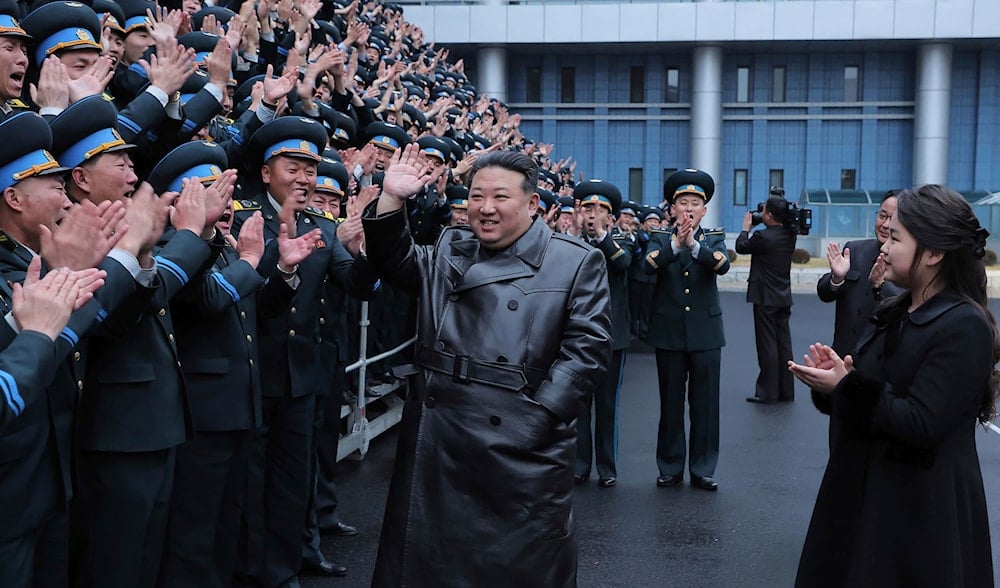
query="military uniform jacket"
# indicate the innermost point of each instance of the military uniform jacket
(36, 449)
(134, 396)
(617, 249)
(485, 462)
(770, 282)
(290, 342)
(686, 313)
(216, 319)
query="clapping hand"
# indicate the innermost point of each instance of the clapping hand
(822, 368)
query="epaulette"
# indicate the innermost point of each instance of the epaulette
(716, 231)
(317, 212)
(659, 230)
(241, 205)
(17, 103)
(6, 242)
(107, 97)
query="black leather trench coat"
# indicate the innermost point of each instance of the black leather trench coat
(509, 344)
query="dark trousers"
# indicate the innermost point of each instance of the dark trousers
(120, 517)
(604, 441)
(774, 349)
(39, 558)
(323, 498)
(640, 299)
(209, 493)
(287, 434)
(695, 375)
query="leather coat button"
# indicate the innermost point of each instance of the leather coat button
(502, 359)
(430, 402)
(453, 297)
(495, 420)
(512, 305)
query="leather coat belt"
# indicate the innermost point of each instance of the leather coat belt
(463, 369)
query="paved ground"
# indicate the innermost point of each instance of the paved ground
(750, 533)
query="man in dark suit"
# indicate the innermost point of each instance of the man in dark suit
(600, 202)
(288, 149)
(769, 289)
(856, 280)
(685, 327)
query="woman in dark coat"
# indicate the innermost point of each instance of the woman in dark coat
(902, 500)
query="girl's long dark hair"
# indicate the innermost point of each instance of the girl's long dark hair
(940, 219)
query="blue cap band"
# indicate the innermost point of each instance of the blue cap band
(628, 210)
(74, 38)
(385, 141)
(26, 166)
(597, 199)
(689, 189)
(136, 22)
(109, 20)
(328, 184)
(460, 203)
(341, 134)
(293, 148)
(435, 152)
(90, 146)
(202, 57)
(567, 209)
(9, 27)
(542, 204)
(203, 173)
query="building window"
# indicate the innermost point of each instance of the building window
(637, 84)
(852, 83)
(778, 84)
(568, 86)
(847, 179)
(743, 84)
(672, 93)
(635, 184)
(776, 178)
(533, 85)
(740, 187)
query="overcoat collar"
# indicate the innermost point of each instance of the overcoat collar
(519, 260)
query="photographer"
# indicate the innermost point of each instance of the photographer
(769, 289)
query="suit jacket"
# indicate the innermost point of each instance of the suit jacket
(770, 282)
(135, 397)
(686, 313)
(290, 342)
(216, 318)
(855, 299)
(617, 249)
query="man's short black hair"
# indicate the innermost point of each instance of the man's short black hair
(512, 160)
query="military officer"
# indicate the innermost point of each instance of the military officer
(458, 199)
(685, 327)
(600, 202)
(14, 61)
(288, 149)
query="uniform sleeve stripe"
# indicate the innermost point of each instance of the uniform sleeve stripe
(189, 125)
(129, 124)
(70, 335)
(376, 285)
(173, 268)
(101, 315)
(618, 254)
(9, 386)
(228, 287)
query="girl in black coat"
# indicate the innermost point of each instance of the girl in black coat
(902, 500)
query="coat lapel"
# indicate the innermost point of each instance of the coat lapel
(472, 269)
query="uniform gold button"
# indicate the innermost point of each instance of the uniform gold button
(178, 364)
(322, 300)
(170, 337)
(687, 290)
(79, 384)
(249, 338)
(687, 309)
(163, 312)
(76, 356)
(251, 361)
(291, 333)
(686, 274)
(243, 314)
(322, 321)
(293, 310)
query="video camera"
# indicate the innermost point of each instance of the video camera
(795, 219)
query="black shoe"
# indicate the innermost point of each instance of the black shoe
(758, 400)
(579, 479)
(669, 480)
(789, 399)
(705, 483)
(323, 568)
(340, 529)
(607, 482)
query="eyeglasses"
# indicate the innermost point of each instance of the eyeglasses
(884, 216)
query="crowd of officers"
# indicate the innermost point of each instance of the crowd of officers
(181, 250)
